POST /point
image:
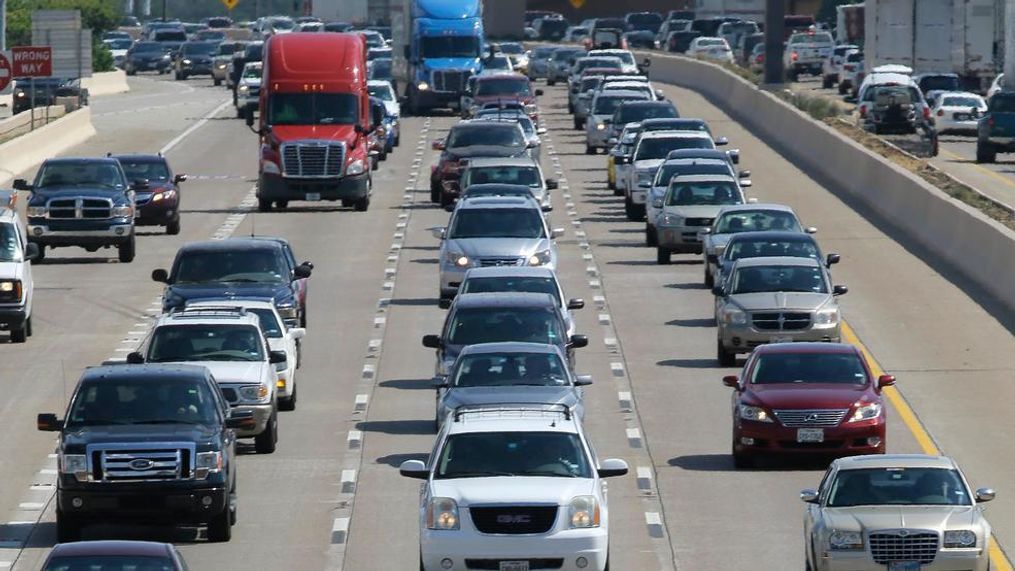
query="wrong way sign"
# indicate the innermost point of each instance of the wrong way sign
(32, 61)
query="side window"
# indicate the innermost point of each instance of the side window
(823, 486)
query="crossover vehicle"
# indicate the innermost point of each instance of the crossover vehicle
(501, 317)
(996, 127)
(893, 109)
(742, 218)
(84, 202)
(626, 57)
(585, 62)
(468, 140)
(831, 68)
(896, 511)
(194, 58)
(147, 56)
(158, 196)
(679, 41)
(513, 487)
(579, 99)
(684, 163)
(499, 373)
(650, 151)
(501, 231)
(551, 29)
(532, 133)
(710, 48)
(146, 444)
(689, 206)
(128, 554)
(806, 399)
(229, 342)
(600, 117)
(248, 90)
(618, 158)
(520, 279)
(515, 51)
(513, 171)
(17, 288)
(956, 112)
(775, 300)
(768, 244)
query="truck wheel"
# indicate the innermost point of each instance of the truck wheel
(19, 334)
(826, 82)
(28, 326)
(263, 205)
(362, 204)
(281, 204)
(288, 403)
(173, 228)
(984, 154)
(220, 530)
(650, 237)
(663, 256)
(126, 250)
(218, 82)
(267, 441)
(67, 529)
(725, 358)
(42, 254)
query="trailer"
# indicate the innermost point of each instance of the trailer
(504, 19)
(849, 24)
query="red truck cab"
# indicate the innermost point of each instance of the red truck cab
(315, 121)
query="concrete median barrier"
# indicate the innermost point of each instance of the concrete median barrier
(962, 237)
(30, 149)
(106, 83)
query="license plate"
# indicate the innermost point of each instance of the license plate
(904, 566)
(313, 196)
(514, 566)
(810, 435)
(961, 116)
(782, 339)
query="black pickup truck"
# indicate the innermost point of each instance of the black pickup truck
(84, 202)
(146, 444)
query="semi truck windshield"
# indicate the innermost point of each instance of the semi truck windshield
(450, 46)
(313, 109)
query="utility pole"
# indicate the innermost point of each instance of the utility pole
(1009, 45)
(3, 25)
(165, 10)
(775, 26)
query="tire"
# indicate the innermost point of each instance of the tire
(985, 153)
(551, 82)
(263, 205)
(630, 210)
(663, 256)
(577, 125)
(651, 240)
(375, 163)
(173, 228)
(362, 204)
(570, 106)
(289, 403)
(240, 113)
(435, 193)
(28, 326)
(67, 528)
(709, 280)
(281, 204)
(725, 358)
(842, 88)
(220, 529)
(218, 82)
(236, 98)
(19, 334)
(742, 461)
(611, 184)
(267, 441)
(398, 138)
(179, 76)
(131, 72)
(826, 82)
(41, 256)
(126, 250)
(590, 150)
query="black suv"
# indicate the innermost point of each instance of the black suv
(194, 58)
(83, 202)
(146, 444)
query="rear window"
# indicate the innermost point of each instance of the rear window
(1002, 104)
(508, 136)
(939, 83)
(638, 113)
(658, 148)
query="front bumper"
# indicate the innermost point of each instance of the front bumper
(170, 505)
(13, 315)
(1008, 142)
(744, 338)
(275, 187)
(564, 546)
(945, 560)
(158, 213)
(108, 233)
(594, 137)
(772, 438)
(685, 239)
(199, 69)
(150, 65)
(220, 72)
(262, 413)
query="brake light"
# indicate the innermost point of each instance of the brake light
(794, 56)
(940, 113)
(926, 112)
(863, 111)
(849, 67)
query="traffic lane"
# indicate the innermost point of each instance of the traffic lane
(663, 316)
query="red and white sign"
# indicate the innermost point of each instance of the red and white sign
(32, 61)
(5, 72)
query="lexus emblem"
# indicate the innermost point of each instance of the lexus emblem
(509, 518)
(141, 464)
(811, 418)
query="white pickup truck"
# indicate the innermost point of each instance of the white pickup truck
(806, 52)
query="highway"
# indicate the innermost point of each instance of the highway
(331, 496)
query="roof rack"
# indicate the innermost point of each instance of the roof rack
(211, 311)
(512, 407)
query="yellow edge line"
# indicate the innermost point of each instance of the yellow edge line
(998, 560)
(1007, 181)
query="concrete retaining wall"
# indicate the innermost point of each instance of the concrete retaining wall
(980, 248)
(32, 148)
(106, 83)
(22, 122)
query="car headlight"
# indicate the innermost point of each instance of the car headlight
(355, 167)
(422, 86)
(540, 258)
(866, 412)
(221, 66)
(671, 220)
(457, 259)
(600, 126)
(126, 211)
(583, 512)
(36, 211)
(10, 290)
(844, 540)
(244, 88)
(166, 195)
(21, 94)
(646, 176)
(186, 62)
(287, 310)
(827, 316)
(442, 513)
(166, 56)
(207, 463)
(76, 464)
(958, 538)
(256, 393)
(755, 413)
(733, 316)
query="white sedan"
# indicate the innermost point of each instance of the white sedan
(953, 111)
(715, 49)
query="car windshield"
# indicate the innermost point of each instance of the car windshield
(382, 92)
(504, 86)
(142, 401)
(637, 113)
(199, 48)
(645, 21)
(765, 279)
(119, 44)
(313, 109)
(474, 191)
(820, 38)
(497, 62)
(471, 326)
(676, 124)
(668, 171)
(145, 170)
(380, 68)
(177, 343)
(496, 136)
(805, 248)
(561, 55)
(282, 24)
(449, 47)
(711, 193)
(1002, 104)
(254, 52)
(510, 369)
(147, 47)
(528, 176)
(170, 36)
(97, 174)
(607, 105)
(10, 244)
(497, 223)
(711, 43)
(964, 102)
(898, 486)
(250, 265)
(512, 284)
(802, 368)
(252, 71)
(756, 220)
(604, 62)
(658, 148)
(489, 454)
(269, 322)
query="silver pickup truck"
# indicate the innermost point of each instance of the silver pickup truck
(806, 52)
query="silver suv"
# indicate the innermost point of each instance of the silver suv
(775, 300)
(520, 170)
(495, 231)
(690, 205)
(900, 511)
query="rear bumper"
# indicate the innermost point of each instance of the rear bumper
(275, 187)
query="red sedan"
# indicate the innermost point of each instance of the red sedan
(807, 398)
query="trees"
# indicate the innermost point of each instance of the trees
(98, 15)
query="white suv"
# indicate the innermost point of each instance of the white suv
(513, 487)
(16, 286)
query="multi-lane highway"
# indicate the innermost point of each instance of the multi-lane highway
(331, 496)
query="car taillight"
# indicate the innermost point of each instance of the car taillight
(863, 111)
(940, 113)
(794, 56)
(926, 112)
(849, 67)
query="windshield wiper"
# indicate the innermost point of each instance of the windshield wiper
(476, 474)
(100, 422)
(166, 421)
(548, 473)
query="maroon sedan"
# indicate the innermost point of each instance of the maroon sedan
(114, 556)
(506, 88)
(158, 200)
(807, 398)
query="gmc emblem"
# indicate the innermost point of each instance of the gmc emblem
(520, 518)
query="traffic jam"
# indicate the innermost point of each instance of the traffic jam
(512, 480)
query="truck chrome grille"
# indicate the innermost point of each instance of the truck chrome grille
(141, 462)
(810, 418)
(312, 159)
(514, 520)
(75, 208)
(903, 545)
(781, 320)
(450, 79)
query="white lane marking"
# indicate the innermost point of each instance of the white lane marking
(340, 530)
(348, 481)
(389, 272)
(634, 437)
(604, 318)
(625, 399)
(591, 270)
(594, 284)
(617, 368)
(379, 322)
(644, 478)
(368, 371)
(388, 286)
(354, 439)
(361, 402)
(654, 523)
(179, 138)
(599, 300)
(41, 487)
(48, 471)
(610, 342)
(374, 345)
(31, 506)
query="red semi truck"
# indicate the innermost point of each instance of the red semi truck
(314, 121)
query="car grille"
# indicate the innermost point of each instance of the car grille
(313, 159)
(810, 418)
(140, 462)
(450, 80)
(903, 545)
(782, 321)
(698, 221)
(66, 208)
(494, 564)
(501, 261)
(253, 91)
(514, 520)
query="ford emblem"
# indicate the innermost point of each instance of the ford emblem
(141, 464)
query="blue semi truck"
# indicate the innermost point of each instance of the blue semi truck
(437, 46)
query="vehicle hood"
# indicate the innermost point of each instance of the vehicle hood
(703, 211)
(484, 151)
(74, 442)
(498, 247)
(11, 270)
(75, 192)
(781, 300)
(439, 63)
(869, 518)
(648, 164)
(178, 294)
(520, 394)
(513, 490)
(286, 133)
(810, 396)
(234, 371)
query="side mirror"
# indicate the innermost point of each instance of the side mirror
(437, 145)
(135, 358)
(575, 303)
(746, 183)
(302, 272)
(744, 174)
(556, 233)
(48, 422)
(21, 184)
(612, 467)
(276, 357)
(432, 341)
(886, 381)
(180, 178)
(660, 95)
(437, 232)
(718, 291)
(582, 380)
(734, 156)
(811, 230)
(440, 382)
(982, 494)
(541, 131)
(831, 259)
(840, 290)
(298, 332)
(539, 93)
(579, 341)
(160, 275)
(731, 381)
(414, 469)
(551, 184)
(809, 496)
(31, 251)
(722, 141)
(444, 303)
(241, 420)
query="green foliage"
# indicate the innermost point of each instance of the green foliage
(102, 58)
(98, 15)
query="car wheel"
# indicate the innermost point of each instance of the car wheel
(267, 440)
(577, 125)
(173, 228)
(126, 250)
(985, 153)
(281, 204)
(611, 183)
(570, 107)
(263, 205)
(241, 113)
(131, 72)
(630, 209)
(551, 82)
(67, 528)
(842, 88)
(725, 358)
(650, 237)
(826, 82)
(362, 204)
(435, 192)
(288, 403)
(398, 138)
(28, 326)
(218, 82)
(590, 150)
(709, 280)
(42, 254)
(220, 529)
(19, 334)
(663, 256)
